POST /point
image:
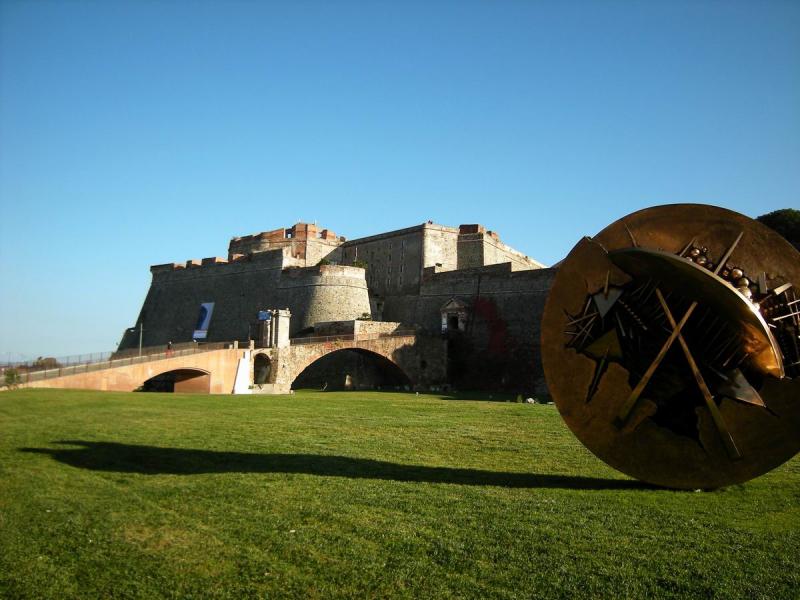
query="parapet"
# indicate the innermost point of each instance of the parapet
(468, 273)
(215, 260)
(269, 259)
(166, 267)
(298, 231)
(325, 271)
(299, 237)
(476, 228)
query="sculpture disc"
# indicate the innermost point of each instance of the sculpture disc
(671, 346)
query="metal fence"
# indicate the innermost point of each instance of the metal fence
(47, 368)
(84, 363)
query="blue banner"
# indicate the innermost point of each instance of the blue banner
(203, 321)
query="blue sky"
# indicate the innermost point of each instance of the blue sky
(140, 133)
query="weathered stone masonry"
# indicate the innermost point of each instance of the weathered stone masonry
(412, 276)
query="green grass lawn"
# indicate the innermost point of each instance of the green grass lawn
(359, 495)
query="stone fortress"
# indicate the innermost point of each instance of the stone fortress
(461, 285)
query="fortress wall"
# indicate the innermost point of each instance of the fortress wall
(517, 295)
(441, 247)
(316, 250)
(393, 259)
(470, 250)
(500, 347)
(239, 290)
(480, 249)
(403, 308)
(411, 273)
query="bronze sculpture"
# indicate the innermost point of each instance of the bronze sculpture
(671, 346)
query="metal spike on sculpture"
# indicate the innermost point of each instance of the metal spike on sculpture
(671, 346)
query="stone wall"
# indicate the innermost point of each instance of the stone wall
(500, 345)
(324, 293)
(377, 327)
(441, 247)
(304, 244)
(357, 327)
(482, 249)
(411, 274)
(394, 259)
(239, 290)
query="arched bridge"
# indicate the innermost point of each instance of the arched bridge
(203, 369)
(416, 359)
(227, 368)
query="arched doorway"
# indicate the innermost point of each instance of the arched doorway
(351, 368)
(262, 369)
(192, 381)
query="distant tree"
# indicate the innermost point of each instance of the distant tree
(12, 378)
(360, 263)
(46, 363)
(786, 222)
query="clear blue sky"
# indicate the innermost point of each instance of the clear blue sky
(140, 133)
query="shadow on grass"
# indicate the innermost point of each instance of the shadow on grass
(151, 460)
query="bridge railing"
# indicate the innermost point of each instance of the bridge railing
(84, 363)
(355, 337)
(48, 368)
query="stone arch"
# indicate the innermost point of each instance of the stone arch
(262, 369)
(350, 368)
(181, 380)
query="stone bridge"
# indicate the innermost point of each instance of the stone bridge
(230, 369)
(420, 359)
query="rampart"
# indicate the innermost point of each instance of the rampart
(396, 260)
(412, 276)
(499, 345)
(238, 290)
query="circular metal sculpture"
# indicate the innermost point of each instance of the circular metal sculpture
(671, 345)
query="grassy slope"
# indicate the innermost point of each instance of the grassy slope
(359, 495)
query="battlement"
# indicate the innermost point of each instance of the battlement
(299, 232)
(307, 242)
(194, 263)
(477, 229)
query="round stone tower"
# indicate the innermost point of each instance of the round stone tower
(324, 293)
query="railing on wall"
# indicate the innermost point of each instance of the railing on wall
(48, 368)
(84, 363)
(347, 337)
